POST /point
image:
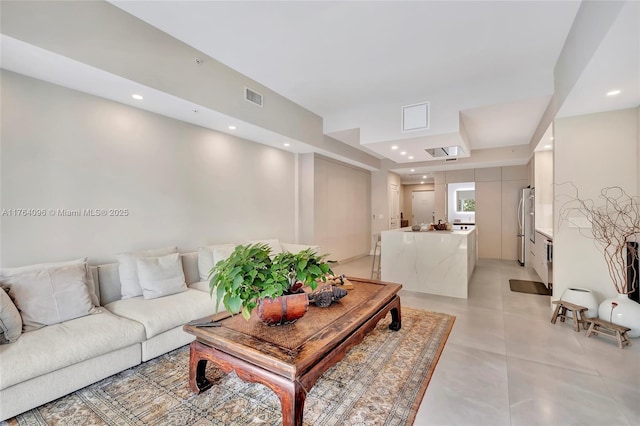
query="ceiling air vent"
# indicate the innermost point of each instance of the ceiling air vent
(415, 117)
(253, 96)
(450, 159)
(444, 151)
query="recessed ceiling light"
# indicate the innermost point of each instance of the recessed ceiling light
(394, 147)
(424, 177)
(412, 170)
(613, 93)
(403, 153)
(410, 157)
(232, 127)
(137, 97)
(551, 138)
(286, 144)
(421, 182)
(547, 146)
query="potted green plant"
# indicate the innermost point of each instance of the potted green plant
(250, 275)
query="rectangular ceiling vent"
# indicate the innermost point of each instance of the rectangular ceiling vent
(252, 96)
(450, 159)
(444, 151)
(415, 117)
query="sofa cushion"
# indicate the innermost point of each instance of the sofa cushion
(200, 286)
(51, 295)
(210, 255)
(74, 341)
(161, 276)
(128, 269)
(164, 313)
(10, 320)
(89, 281)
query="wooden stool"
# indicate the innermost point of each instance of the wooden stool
(578, 313)
(615, 331)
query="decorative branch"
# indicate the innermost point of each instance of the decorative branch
(615, 221)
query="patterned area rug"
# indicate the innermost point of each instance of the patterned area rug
(379, 382)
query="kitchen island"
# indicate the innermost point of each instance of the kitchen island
(434, 262)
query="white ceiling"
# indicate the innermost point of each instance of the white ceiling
(486, 67)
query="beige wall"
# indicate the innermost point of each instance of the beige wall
(182, 184)
(591, 151)
(342, 196)
(497, 194)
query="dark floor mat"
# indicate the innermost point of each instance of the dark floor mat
(533, 287)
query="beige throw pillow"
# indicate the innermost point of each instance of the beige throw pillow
(128, 269)
(161, 276)
(10, 320)
(89, 282)
(50, 296)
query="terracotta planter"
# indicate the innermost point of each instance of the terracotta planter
(284, 309)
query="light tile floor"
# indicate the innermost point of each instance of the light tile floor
(506, 364)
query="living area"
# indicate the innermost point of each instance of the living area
(89, 180)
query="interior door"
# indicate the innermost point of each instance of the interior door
(394, 206)
(423, 207)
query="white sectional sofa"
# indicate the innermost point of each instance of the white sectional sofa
(55, 360)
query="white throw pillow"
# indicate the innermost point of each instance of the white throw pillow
(210, 255)
(10, 320)
(128, 269)
(161, 276)
(274, 243)
(50, 296)
(89, 282)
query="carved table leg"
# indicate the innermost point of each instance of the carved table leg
(396, 315)
(197, 366)
(292, 402)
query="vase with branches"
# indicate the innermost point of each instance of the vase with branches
(615, 222)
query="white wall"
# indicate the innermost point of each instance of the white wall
(591, 151)
(543, 182)
(182, 185)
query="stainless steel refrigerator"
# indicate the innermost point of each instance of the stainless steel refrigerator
(526, 221)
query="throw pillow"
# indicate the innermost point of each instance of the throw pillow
(10, 320)
(50, 296)
(161, 276)
(128, 269)
(89, 282)
(210, 255)
(274, 243)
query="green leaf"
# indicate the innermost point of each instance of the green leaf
(246, 312)
(302, 264)
(219, 296)
(234, 304)
(315, 270)
(237, 282)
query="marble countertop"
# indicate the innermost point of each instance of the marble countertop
(454, 232)
(547, 232)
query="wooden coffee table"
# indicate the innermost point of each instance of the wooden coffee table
(289, 359)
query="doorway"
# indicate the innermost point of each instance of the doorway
(394, 206)
(422, 207)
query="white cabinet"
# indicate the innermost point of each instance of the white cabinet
(539, 261)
